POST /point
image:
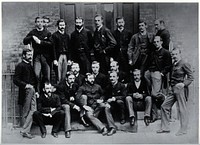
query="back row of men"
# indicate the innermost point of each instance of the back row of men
(143, 56)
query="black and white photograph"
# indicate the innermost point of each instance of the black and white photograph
(100, 72)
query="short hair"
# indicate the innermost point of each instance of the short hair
(46, 17)
(60, 20)
(142, 21)
(38, 17)
(110, 72)
(136, 70)
(46, 82)
(25, 50)
(95, 62)
(69, 73)
(80, 18)
(176, 49)
(115, 62)
(74, 63)
(161, 21)
(98, 15)
(119, 18)
(89, 74)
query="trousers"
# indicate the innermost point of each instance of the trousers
(62, 67)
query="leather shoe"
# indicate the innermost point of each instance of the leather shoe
(111, 132)
(54, 134)
(163, 131)
(147, 120)
(68, 134)
(132, 122)
(26, 135)
(104, 131)
(43, 135)
(123, 121)
(83, 122)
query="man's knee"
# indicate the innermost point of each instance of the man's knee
(84, 97)
(120, 102)
(148, 99)
(66, 107)
(129, 99)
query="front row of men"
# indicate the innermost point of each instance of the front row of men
(89, 98)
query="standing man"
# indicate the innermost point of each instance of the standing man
(116, 94)
(140, 47)
(137, 97)
(26, 80)
(162, 32)
(61, 49)
(104, 43)
(49, 111)
(160, 64)
(67, 90)
(46, 21)
(123, 37)
(81, 45)
(179, 82)
(39, 39)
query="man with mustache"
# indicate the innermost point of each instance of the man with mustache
(81, 45)
(49, 111)
(61, 49)
(122, 36)
(26, 79)
(140, 47)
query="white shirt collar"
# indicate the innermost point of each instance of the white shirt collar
(137, 84)
(120, 30)
(25, 61)
(98, 29)
(79, 30)
(61, 32)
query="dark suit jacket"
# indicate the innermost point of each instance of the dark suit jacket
(80, 79)
(164, 34)
(131, 88)
(101, 80)
(104, 40)
(65, 92)
(123, 39)
(45, 48)
(81, 43)
(44, 104)
(118, 91)
(24, 74)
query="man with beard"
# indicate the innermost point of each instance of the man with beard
(49, 111)
(61, 49)
(181, 78)
(39, 39)
(104, 44)
(160, 64)
(162, 32)
(67, 90)
(79, 78)
(81, 45)
(100, 78)
(115, 95)
(137, 98)
(122, 36)
(91, 100)
(26, 80)
(140, 47)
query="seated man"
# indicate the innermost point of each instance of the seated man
(91, 100)
(49, 111)
(137, 96)
(116, 94)
(79, 78)
(181, 78)
(67, 90)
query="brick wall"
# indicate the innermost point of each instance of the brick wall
(17, 21)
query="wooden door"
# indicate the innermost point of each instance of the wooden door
(110, 12)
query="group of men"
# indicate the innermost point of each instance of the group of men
(101, 72)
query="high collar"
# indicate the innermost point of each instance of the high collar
(26, 61)
(61, 32)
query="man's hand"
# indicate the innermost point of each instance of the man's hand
(52, 109)
(28, 86)
(137, 95)
(88, 108)
(55, 62)
(71, 98)
(107, 105)
(130, 62)
(99, 101)
(37, 40)
(180, 85)
(77, 108)
(37, 95)
(69, 62)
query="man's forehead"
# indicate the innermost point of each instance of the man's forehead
(47, 85)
